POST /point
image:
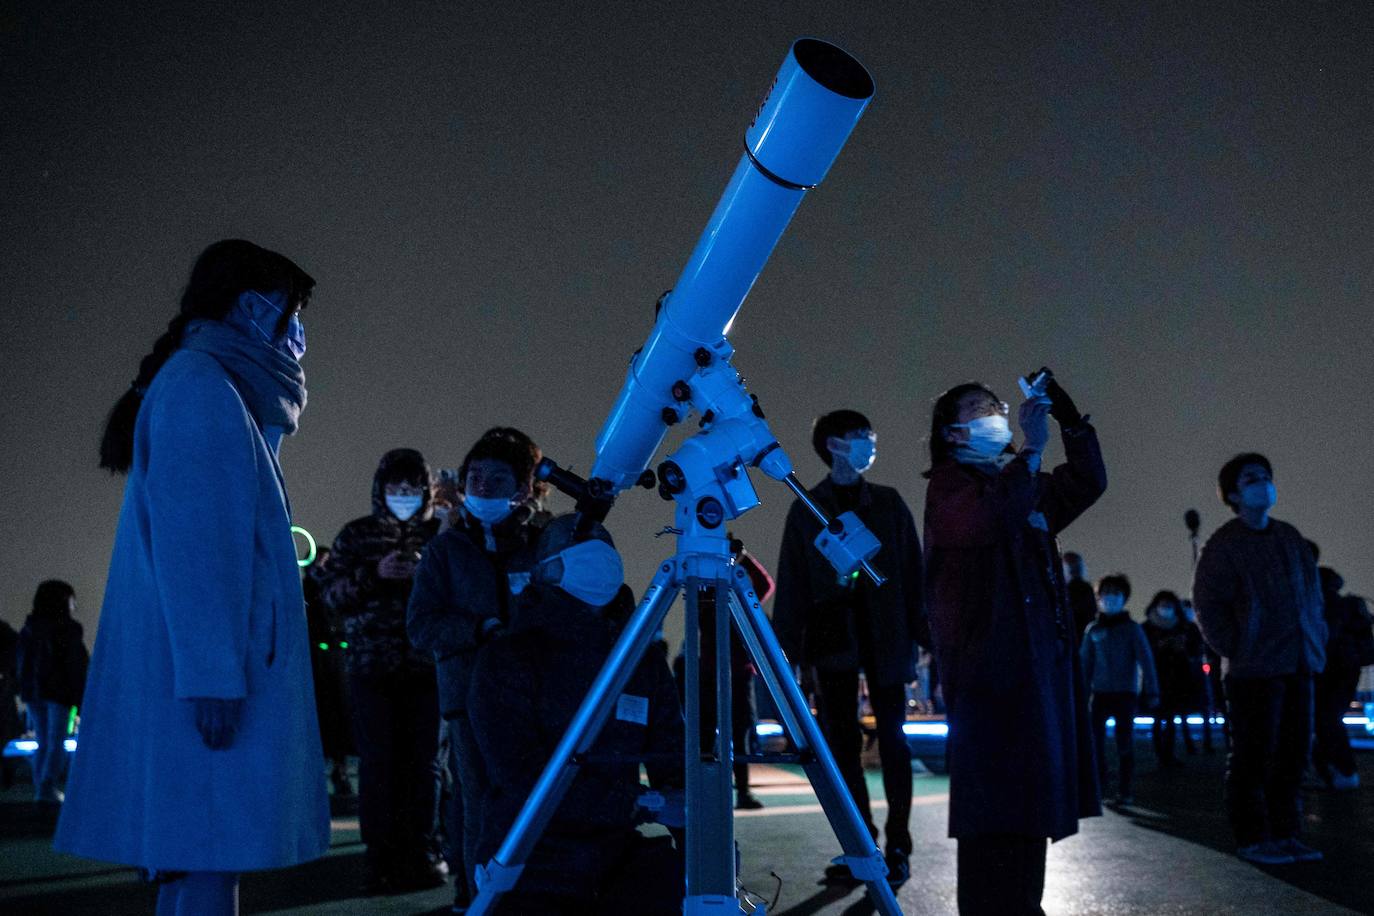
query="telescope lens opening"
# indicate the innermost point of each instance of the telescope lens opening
(833, 68)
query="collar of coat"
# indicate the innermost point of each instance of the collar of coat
(824, 492)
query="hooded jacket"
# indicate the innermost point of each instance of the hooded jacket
(52, 661)
(373, 609)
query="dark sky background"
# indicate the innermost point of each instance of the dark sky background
(1168, 203)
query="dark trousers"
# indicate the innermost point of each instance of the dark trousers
(1271, 728)
(451, 812)
(742, 725)
(1163, 730)
(838, 692)
(471, 771)
(1001, 875)
(1333, 690)
(396, 730)
(1120, 706)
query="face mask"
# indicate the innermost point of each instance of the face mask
(592, 572)
(1261, 495)
(1165, 616)
(293, 342)
(403, 507)
(861, 453)
(489, 511)
(987, 437)
(1112, 604)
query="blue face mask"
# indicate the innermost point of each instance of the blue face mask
(861, 453)
(264, 314)
(987, 438)
(487, 510)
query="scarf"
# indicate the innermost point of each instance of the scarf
(270, 382)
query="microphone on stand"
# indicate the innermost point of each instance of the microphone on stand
(1194, 522)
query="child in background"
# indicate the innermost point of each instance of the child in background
(1117, 667)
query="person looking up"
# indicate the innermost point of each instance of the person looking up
(1020, 749)
(1259, 605)
(1176, 646)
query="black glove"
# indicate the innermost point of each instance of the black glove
(1061, 406)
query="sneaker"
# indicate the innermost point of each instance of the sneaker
(1343, 783)
(422, 875)
(898, 867)
(1266, 853)
(1299, 850)
(747, 801)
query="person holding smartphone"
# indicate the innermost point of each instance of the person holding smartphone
(1020, 749)
(392, 690)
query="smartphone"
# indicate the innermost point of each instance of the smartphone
(1033, 384)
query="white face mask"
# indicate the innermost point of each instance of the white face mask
(403, 507)
(987, 438)
(1111, 603)
(592, 572)
(861, 453)
(487, 510)
(1260, 495)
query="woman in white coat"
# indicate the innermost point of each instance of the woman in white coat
(199, 752)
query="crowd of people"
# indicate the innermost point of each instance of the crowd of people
(447, 637)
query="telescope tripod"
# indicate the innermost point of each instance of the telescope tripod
(716, 590)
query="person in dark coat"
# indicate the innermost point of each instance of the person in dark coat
(52, 662)
(1259, 605)
(327, 647)
(1082, 600)
(1119, 674)
(1177, 648)
(392, 691)
(527, 685)
(1349, 647)
(841, 626)
(1020, 749)
(11, 725)
(461, 601)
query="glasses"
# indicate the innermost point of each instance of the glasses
(988, 408)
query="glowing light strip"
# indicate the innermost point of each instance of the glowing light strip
(309, 539)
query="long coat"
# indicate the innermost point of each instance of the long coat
(1020, 750)
(203, 600)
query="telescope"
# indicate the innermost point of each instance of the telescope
(684, 366)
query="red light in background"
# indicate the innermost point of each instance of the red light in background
(1206, 668)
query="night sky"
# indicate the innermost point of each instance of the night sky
(1168, 203)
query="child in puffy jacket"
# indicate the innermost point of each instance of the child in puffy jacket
(1117, 669)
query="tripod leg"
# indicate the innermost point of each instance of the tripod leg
(861, 853)
(710, 812)
(501, 873)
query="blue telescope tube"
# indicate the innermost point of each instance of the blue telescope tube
(815, 101)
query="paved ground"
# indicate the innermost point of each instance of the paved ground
(1168, 855)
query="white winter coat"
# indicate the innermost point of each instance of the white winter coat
(203, 600)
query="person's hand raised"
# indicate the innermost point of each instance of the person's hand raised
(1034, 418)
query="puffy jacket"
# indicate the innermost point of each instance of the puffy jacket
(371, 609)
(460, 583)
(52, 661)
